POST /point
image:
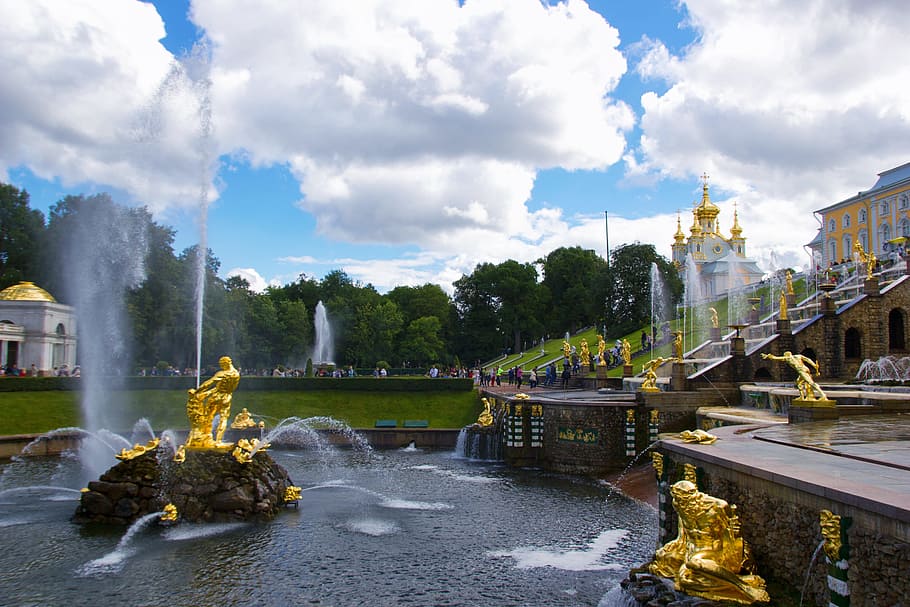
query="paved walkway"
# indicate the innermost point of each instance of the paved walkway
(862, 462)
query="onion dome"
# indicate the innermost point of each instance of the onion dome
(26, 291)
(736, 231)
(707, 210)
(679, 237)
(696, 228)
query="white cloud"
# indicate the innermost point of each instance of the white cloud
(788, 106)
(254, 278)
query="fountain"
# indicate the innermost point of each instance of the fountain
(659, 304)
(885, 369)
(324, 349)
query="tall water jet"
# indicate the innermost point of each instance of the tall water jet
(659, 303)
(324, 350)
(105, 247)
(696, 322)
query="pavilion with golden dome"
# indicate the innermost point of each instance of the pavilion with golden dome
(720, 262)
(35, 329)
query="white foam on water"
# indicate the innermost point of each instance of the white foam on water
(192, 532)
(18, 520)
(109, 563)
(423, 467)
(468, 478)
(372, 527)
(401, 504)
(589, 558)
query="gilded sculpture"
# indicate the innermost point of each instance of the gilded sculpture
(566, 349)
(246, 449)
(783, 306)
(585, 354)
(804, 367)
(868, 259)
(626, 349)
(657, 460)
(708, 558)
(678, 345)
(485, 419)
(649, 384)
(292, 493)
(243, 420)
(789, 283)
(211, 398)
(697, 436)
(601, 349)
(169, 513)
(831, 533)
(137, 450)
(715, 322)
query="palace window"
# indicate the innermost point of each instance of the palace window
(861, 216)
(846, 220)
(903, 228)
(885, 208)
(832, 225)
(903, 201)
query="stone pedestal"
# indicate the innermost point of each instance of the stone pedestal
(738, 346)
(715, 333)
(870, 286)
(601, 376)
(627, 371)
(678, 381)
(811, 410)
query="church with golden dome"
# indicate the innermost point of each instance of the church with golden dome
(719, 263)
(35, 329)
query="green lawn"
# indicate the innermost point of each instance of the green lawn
(36, 412)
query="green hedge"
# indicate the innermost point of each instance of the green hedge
(267, 384)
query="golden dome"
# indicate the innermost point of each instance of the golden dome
(26, 291)
(679, 237)
(707, 209)
(736, 231)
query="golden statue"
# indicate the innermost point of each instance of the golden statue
(246, 449)
(137, 450)
(657, 460)
(485, 419)
(697, 436)
(714, 320)
(601, 349)
(783, 306)
(626, 352)
(291, 493)
(831, 532)
(169, 513)
(678, 345)
(790, 290)
(649, 384)
(566, 349)
(243, 420)
(585, 354)
(709, 558)
(804, 367)
(212, 397)
(867, 258)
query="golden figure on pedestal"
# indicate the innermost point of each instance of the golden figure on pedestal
(697, 436)
(783, 306)
(211, 398)
(714, 320)
(649, 384)
(709, 558)
(867, 258)
(789, 283)
(585, 354)
(804, 367)
(246, 449)
(601, 349)
(566, 349)
(678, 345)
(626, 352)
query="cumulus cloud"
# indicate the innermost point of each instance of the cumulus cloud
(256, 281)
(89, 95)
(407, 120)
(787, 106)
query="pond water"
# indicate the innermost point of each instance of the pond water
(405, 527)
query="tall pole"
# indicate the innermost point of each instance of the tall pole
(607, 228)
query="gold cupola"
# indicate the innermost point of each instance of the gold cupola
(735, 231)
(679, 237)
(706, 212)
(26, 291)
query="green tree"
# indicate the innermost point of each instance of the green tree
(21, 229)
(421, 343)
(573, 277)
(630, 273)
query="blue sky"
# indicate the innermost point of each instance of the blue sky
(405, 142)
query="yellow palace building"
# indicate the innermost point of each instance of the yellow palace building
(879, 218)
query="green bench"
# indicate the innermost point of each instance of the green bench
(416, 423)
(386, 423)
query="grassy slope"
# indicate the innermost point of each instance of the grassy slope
(36, 412)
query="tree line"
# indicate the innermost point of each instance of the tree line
(498, 307)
